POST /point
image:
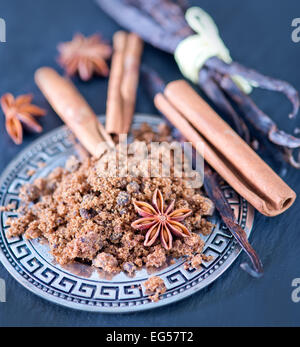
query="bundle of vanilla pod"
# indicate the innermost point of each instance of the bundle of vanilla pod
(163, 24)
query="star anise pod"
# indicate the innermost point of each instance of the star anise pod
(160, 220)
(85, 55)
(17, 111)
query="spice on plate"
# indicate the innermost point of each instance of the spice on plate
(155, 286)
(20, 111)
(160, 220)
(123, 82)
(224, 150)
(85, 55)
(7, 208)
(70, 105)
(86, 214)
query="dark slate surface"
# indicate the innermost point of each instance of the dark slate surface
(259, 35)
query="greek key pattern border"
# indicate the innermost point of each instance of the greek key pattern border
(43, 278)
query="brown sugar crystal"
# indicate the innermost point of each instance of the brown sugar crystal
(86, 215)
(155, 286)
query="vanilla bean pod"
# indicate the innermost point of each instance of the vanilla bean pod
(261, 121)
(215, 93)
(212, 89)
(183, 4)
(169, 14)
(291, 157)
(142, 23)
(284, 142)
(215, 193)
(154, 84)
(258, 79)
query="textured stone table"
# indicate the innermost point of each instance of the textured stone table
(258, 33)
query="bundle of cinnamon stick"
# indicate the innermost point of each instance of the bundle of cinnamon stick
(123, 82)
(75, 111)
(224, 149)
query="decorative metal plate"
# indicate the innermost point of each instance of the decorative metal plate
(83, 287)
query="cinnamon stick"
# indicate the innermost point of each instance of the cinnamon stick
(114, 103)
(123, 82)
(130, 80)
(69, 104)
(224, 150)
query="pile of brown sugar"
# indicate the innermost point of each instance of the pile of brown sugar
(86, 216)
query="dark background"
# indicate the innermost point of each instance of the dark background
(258, 33)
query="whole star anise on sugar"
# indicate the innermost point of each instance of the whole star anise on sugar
(160, 220)
(17, 111)
(85, 55)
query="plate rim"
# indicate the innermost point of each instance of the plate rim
(232, 257)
